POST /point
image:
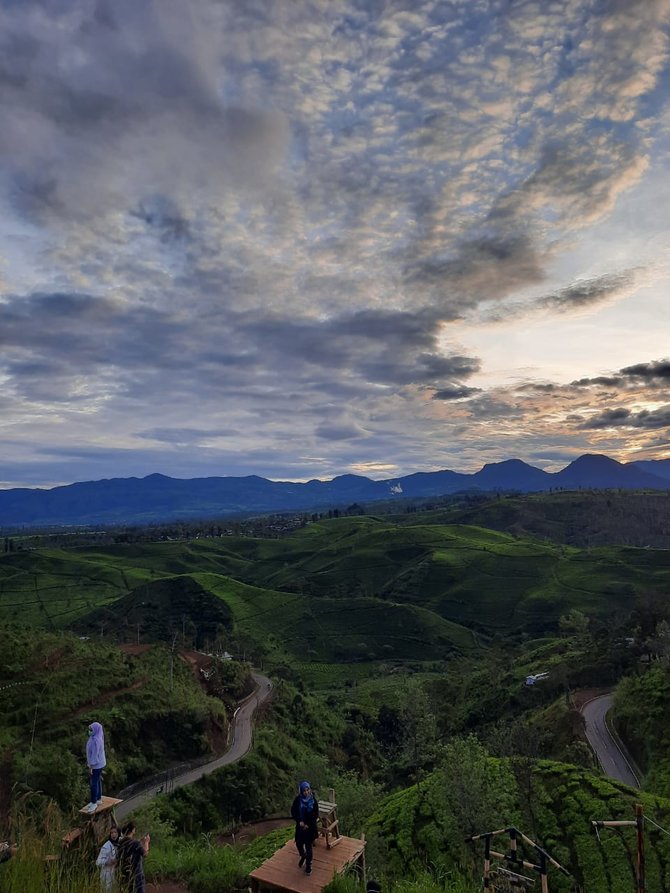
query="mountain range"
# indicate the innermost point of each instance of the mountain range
(157, 497)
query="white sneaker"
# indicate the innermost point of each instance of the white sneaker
(99, 803)
(91, 807)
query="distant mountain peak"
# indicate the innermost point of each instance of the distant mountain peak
(597, 460)
(159, 498)
(508, 463)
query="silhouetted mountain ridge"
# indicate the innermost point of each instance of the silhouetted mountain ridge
(158, 497)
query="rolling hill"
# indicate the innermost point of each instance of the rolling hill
(356, 573)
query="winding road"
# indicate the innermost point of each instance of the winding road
(239, 747)
(609, 754)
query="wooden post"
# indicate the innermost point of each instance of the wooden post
(639, 822)
(544, 882)
(363, 863)
(514, 855)
(487, 861)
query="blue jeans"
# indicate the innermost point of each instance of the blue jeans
(96, 785)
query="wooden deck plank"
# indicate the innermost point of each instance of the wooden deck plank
(107, 803)
(281, 871)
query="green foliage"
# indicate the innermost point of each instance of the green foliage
(426, 882)
(641, 710)
(264, 782)
(263, 847)
(388, 640)
(554, 805)
(52, 686)
(202, 864)
(585, 519)
(409, 588)
(40, 864)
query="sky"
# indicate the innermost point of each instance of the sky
(302, 238)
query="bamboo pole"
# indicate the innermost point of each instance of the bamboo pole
(544, 881)
(639, 821)
(517, 862)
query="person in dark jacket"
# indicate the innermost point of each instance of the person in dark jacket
(305, 811)
(130, 860)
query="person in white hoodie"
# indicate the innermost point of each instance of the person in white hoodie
(106, 860)
(95, 758)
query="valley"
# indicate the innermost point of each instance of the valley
(399, 649)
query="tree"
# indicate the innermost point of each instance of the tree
(477, 790)
(659, 643)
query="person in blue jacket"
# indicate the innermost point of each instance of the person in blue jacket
(305, 811)
(95, 759)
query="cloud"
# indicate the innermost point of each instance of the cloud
(340, 430)
(622, 417)
(455, 392)
(651, 375)
(657, 371)
(93, 116)
(232, 228)
(580, 294)
(185, 436)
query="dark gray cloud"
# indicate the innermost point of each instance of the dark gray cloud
(622, 417)
(163, 215)
(586, 292)
(482, 268)
(653, 375)
(342, 430)
(545, 387)
(579, 294)
(606, 381)
(185, 435)
(75, 348)
(657, 371)
(455, 392)
(385, 347)
(611, 418)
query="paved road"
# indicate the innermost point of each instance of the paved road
(610, 756)
(240, 745)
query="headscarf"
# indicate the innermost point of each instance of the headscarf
(97, 729)
(306, 801)
(95, 746)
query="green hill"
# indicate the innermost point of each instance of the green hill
(582, 519)
(552, 803)
(482, 579)
(159, 609)
(155, 712)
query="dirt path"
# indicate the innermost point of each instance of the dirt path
(108, 696)
(250, 832)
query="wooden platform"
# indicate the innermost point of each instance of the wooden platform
(107, 803)
(281, 872)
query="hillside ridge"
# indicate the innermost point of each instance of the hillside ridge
(158, 497)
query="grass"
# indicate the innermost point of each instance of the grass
(41, 865)
(52, 685)
(556, 811)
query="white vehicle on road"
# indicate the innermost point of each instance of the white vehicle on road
(536, 677)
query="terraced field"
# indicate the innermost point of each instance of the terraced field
(349, 588)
